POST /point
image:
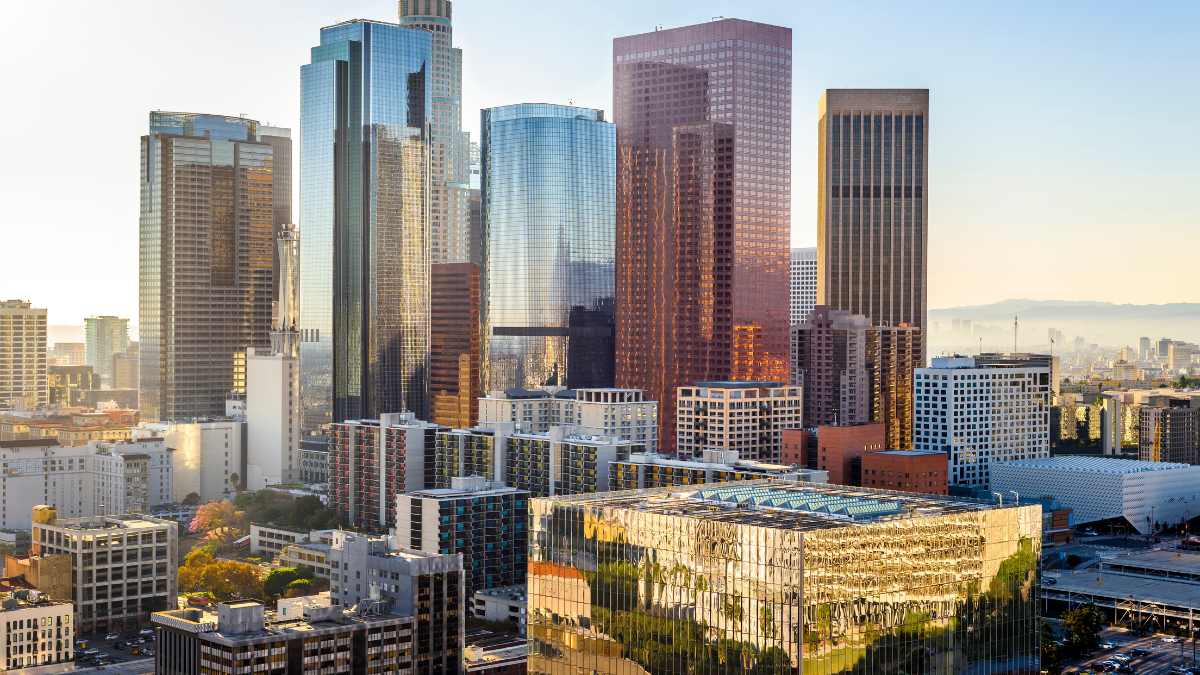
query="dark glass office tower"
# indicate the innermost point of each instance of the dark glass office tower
(873, 208)
(703, 117)
(364, 222)
(548, 181)
(209, 203)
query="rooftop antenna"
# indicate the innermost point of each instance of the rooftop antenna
(981, 345)
(1015, 324)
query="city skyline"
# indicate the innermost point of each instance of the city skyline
(1133, 181)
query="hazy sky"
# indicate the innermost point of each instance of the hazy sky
(1065, 137)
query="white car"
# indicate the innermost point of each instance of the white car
(112, 636)
(1170, 640)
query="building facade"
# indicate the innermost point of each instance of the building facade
(372, 461)
(208, 458)
(648, 470)
(1169, 429)
(105, 337)
(67, 354)
(747, 417)
(35, 630)
(979, 415)
(778, 577)
(22, 356)
(548, 181)
(802, 285)
(111, 593)
(69, 385)
(703, 117)
(829, 359)
(485, 522)
(840, 450)
(906, 471)
(205, 269)
(366, 106)
(607, 412)
(454, 343)
(893, 355)
(873, 210)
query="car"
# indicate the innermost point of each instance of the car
(1123, 658)
(1108, 645)
(1170, 640)
(1138, 651)
(146, 631)
(112, 636)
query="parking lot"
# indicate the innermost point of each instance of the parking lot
(107, 652)
(1162, 657)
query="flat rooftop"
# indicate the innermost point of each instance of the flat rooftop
(909, 453)
(784, 505)
(1124, 587)
(740, 384)
(1094, 464)
(98, 523)
(1166, 560)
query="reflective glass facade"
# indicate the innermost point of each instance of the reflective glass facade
(779, 577)
(364, 214)
(208, 213)
(872, 216)
(703, 117)
(548, 181)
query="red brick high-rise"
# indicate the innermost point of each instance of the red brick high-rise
(703, 117)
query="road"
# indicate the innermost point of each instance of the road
(1162, 655)
(139, 667)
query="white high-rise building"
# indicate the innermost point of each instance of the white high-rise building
(621, 413)
(803, 284)
(746, 417)
(980, 414)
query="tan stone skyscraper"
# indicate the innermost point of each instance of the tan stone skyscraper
(873, 208)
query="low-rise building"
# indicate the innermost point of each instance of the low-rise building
(905, 471)
(1146, 495)
(314, 464)
(122, 567)
(648, 470)
(312, 554)
(840, 449)
(748, 417)
(35, 630)
(301, 637)
(501, 605)
(271, 539)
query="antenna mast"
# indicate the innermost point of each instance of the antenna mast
(1014, 334)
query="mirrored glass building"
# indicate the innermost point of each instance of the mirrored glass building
(213, 191)
(781, 577)
(548, 182)
(364, 223)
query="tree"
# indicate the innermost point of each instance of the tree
(192, 499)
(225, 579)
(1083, 626)
(1052, 655)
(199, 557)
(215, 515)
(299, 588)
(278, 579)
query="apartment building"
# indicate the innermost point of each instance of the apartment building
(748, 417)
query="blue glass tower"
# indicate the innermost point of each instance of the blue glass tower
(364, 217)
(549, 222)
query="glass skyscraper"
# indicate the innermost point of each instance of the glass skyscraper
(211, 188)
(704, 118)
(777, 578)
(548, 191)
(364, 223)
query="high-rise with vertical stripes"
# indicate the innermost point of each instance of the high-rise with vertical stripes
(873, 208)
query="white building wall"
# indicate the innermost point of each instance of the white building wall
(205, 458)
(50, 638)
(802, 296)
(272, 419)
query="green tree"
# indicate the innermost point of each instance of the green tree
(192, 499)
(225, 579)
(278, 579)
(1052, 655)
(1083, 626)
(299, 588)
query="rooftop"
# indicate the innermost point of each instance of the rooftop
(124, 522)
(739, 384)
(784, 505)
(11, 601)
(909, 453)
(1094, 464)
(1166, 560)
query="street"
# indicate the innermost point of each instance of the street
(1162, 656)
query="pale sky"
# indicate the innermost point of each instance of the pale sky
(1064, 141)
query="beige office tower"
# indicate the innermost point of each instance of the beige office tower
(872, 215)
(23, 384)
(449, 174)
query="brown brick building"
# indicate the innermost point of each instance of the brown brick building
(906, 471)
(838, 448)
(454, 344)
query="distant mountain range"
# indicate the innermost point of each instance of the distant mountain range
(1068, 310)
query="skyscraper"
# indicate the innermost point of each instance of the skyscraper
(449, 185)
(872, 222)
(454, 344)
(105, 337)
(703, 117)
(802, 284)
(829, 358)
(548, 176)
(23, 383)
(205, 275)
(365, 109)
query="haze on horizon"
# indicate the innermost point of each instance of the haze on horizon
(1062, 144)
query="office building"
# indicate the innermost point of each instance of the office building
(780, 577)
(840, 449)
(829, 360)
(704, 118)
(607, 412)
(1145, 351)
(906, 471)
(22, 356)
(364, 256)
(69, 385)
(485, 522)
(454, 343)
(1022, 359)
(449, 183)
(1145, 495)
(35, 630)
(126, 368)
(105, 337)
(747, 417)
(305, 635)
(314, 465)
(208, 457)
(99, 478)
(501, 605)
(979, 415)
(426, 586)
(1169, 429)
(872, 208)
(1180, 356)
(548, 182)
(67, 354)
(802, 285)
(110, 594)
(649, 470)
(372, 461)
(273, 381)
(205, 272)
(893, 355)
